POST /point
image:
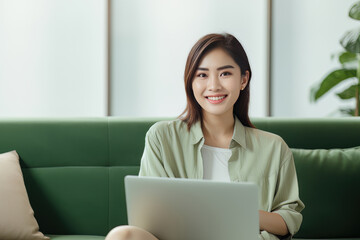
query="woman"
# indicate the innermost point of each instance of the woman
(215, 139)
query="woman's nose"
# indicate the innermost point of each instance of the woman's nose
(214, 83)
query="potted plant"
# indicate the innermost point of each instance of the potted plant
(350, 68)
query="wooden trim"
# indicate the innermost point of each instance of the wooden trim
(269, 56)
(108, 64)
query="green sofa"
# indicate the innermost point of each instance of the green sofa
(74, 170)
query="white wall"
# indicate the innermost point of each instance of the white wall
(53, 54)
(306, 34)
(52, 58)
(151, 40)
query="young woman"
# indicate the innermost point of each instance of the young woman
(215, 139)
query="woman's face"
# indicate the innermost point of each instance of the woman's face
(217, 83)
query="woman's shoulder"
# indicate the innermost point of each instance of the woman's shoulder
(261, 134)
(269, 143)
(168, 128)
(266, 138)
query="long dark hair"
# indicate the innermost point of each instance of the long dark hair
(233, 47)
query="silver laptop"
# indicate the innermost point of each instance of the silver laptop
(184, 209)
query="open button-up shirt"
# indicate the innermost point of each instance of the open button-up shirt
(257, 156)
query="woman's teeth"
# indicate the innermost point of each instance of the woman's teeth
(216, 98)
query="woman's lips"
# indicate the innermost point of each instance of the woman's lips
(216, 99)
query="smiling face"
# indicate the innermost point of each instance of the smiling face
(217, 83)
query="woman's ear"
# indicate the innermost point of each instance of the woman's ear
(244, 80)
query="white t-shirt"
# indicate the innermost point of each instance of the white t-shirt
(215, 161)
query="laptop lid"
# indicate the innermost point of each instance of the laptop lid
(183, 209)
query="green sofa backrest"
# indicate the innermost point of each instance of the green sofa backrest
(74, 167)
(329, 188)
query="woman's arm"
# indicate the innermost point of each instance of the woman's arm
(287, 203)
(151, 162)
(272, 223)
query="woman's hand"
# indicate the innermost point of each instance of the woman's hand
(272, 223)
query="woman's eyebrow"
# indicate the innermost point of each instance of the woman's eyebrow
(224, 67)
(219, 68)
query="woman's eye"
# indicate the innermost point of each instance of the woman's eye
(225, 74)
(202, 75)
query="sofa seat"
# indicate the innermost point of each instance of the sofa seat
(89, 237)
(75, 237)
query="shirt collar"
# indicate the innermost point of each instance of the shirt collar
(196, 132)
(238, 135)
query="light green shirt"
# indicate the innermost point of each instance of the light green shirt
(257, 156)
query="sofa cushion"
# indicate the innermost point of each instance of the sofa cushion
(329, 186)
(17, 219)
(76, 237)
(75, 199)
(117, 203)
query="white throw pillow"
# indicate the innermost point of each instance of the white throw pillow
(17, 219)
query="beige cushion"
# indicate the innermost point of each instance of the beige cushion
(17, 219)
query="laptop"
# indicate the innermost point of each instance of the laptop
(188, 209)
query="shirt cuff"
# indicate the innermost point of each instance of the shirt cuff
(292, 219)
(264, 235)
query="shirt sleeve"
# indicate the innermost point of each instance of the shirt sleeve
(286, 201)
(264, 235)
(151, 163)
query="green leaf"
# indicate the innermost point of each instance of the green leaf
(348, 93)
(354, 12)
(330, 81)
(348, 111)
(351, 41)
(347, 57)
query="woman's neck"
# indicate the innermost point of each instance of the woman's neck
(218, 130)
